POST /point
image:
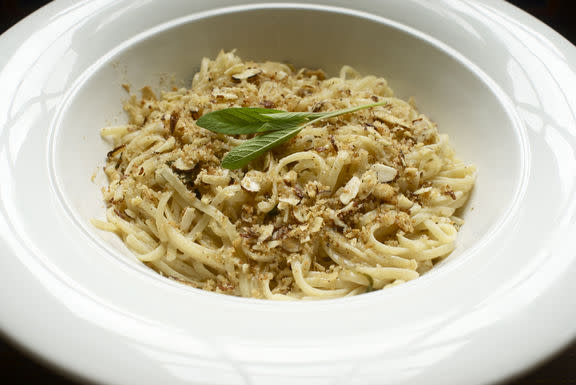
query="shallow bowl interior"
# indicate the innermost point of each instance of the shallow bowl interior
(445, 87)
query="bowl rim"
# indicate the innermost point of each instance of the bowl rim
(112, 55)
(537, 291)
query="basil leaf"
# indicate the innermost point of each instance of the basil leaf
(243, 154)
(238, 121)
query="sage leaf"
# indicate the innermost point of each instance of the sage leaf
(238, 121)
(274, 126)
(291, 115)
(243, 154)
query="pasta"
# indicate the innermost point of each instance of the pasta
(359, 202)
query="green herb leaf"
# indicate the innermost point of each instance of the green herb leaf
(277, 127)
(283, 124)
(291, 115)
(240, 156)
(238, 121)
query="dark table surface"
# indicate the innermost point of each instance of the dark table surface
(16, 368)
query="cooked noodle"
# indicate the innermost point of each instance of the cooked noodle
(359, 202)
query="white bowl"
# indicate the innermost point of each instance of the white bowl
(448, 87)
(492, 77)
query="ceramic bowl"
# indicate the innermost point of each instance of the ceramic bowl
(493, 78)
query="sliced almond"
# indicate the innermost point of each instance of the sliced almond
(384, 173)
(182, 165)
(265, 232)
(247, 74)
(291, 245)
(291, 200)
(404, 203)
(392, 120)
(350, 191)
(250, 183)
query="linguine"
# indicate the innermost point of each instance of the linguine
(358, 202)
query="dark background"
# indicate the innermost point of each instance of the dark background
(17, 369)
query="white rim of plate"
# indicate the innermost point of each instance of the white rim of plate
(24, 250)
(88, 229)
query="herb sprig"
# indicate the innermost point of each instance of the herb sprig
(274, 126)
